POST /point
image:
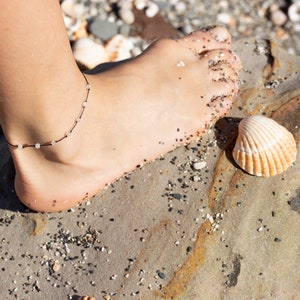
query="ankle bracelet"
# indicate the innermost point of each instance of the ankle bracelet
(68, 133)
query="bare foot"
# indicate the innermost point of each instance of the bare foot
(137, 111)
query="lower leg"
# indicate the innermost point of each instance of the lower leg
(137, 111)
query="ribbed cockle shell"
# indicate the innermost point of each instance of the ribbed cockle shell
(263, 147)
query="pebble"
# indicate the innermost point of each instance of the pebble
(160, 274)
(140, 4)
(278, 17)
(199, 165)
(294, 12)
(151, 10)
(103, 29)
(73, 8)
(243, 20)
(55, 266)
(224, 18)
(127, 15)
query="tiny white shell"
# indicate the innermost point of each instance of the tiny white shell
(263, 147)
(89, 53)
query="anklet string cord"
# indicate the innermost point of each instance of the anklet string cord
(68, 133)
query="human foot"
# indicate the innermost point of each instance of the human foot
(137, 111)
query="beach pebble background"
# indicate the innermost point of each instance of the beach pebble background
(110, 30)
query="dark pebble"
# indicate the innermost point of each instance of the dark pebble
(176, 196)
(161, 274)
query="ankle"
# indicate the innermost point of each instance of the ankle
(50, 116)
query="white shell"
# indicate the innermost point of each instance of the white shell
(118, 48)
(89, 53)
(263, 147)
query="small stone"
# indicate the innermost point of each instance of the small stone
(37, 146)
(127, 15)
(161, 274)
(152, 10)
(176, 196)
(278, 17)
(196, 178)
(180, 7)
(56, 266)
(85, 104)
(113, 277)
(294, 12)
(20, 146)
(224, 18)
(140, 4)
(103, 29)
(277, 240)
(199, 165)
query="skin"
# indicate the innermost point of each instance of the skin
(137, 111)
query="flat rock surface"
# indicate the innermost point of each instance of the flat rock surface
(169, 230)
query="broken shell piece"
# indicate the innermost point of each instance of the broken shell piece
(263, 147)
(118, 48)
(87, 298)
(89, 53)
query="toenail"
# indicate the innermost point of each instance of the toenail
(219, 34)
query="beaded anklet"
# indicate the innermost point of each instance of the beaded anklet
(68, 133)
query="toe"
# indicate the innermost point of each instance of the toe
(209, 38)
(222, 63)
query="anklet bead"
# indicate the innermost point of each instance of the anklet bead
(68, 133)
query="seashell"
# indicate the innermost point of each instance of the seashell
(263, 147)
(89, 53)
(118, 48)
(72, 24)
